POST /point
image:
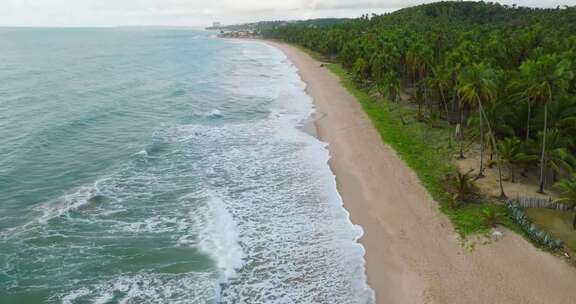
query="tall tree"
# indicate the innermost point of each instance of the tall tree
(476, 85)
(545, 77)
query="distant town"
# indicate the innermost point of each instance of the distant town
(254, 30)
(246, 31)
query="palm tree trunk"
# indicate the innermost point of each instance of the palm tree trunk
(445, 104)
(528, 120)
(481, 171)
(554, 176)
(502, 193)
(513, 174)
(461, 131)
(493, 139)
(543, 155)
(426, 99)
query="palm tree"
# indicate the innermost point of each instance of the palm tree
(557, 154)
(545, 77)
(477, 84)
(461, 185)
(500, 117)
(567, 188)
(391, 85)
(441, 81)
(511, 152)
(529, 105)
(562, 115)
(463, 54)
(360, 70)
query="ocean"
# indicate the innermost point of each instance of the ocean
(148, 165)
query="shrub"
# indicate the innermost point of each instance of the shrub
(490, 217)
(461, 186)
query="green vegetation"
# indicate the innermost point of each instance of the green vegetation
(567, 189)
(500, 76)
(462, 187)
(534, 232)
(479, 218)
(425, 150)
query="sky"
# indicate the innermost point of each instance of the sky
(198, 12)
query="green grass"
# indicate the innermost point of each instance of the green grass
(425, 150)
(557, 223)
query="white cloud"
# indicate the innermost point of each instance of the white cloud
(196, 12)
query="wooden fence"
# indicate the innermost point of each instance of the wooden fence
(536, 202)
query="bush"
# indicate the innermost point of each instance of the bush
(461, 186)
(490, 217)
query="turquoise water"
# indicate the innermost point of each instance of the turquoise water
(164, 166)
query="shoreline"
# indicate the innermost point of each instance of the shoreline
(413, 254)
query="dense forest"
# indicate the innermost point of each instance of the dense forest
(503, 72)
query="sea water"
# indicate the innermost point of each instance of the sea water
(143, 165)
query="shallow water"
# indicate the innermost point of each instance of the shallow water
(164, 166)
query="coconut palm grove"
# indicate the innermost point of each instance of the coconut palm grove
(500, 78)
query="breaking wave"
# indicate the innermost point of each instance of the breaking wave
(237, 210)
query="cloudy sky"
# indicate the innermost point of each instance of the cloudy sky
(197, 12)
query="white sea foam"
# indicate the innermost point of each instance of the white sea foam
(157, 224)
(294, 227)
(74, 295)
(142, 152)
(67, 203)
(216, 235)
(214, 113)
(60, 206)
(100, 191)
(146, 288)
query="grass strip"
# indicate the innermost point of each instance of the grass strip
(425, 150)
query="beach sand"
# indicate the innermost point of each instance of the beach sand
(413, 254)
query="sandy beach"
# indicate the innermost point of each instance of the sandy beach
(413, 254)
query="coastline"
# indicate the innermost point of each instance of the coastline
(413, 255)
